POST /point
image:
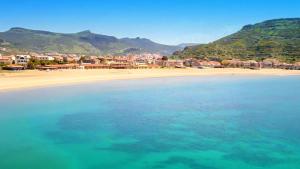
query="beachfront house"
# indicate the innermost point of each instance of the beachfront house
(22, 59)
(6, 60)
(141, 63)
(45, 58)
(58, 58)
(174, 63)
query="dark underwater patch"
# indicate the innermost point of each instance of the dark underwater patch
(189, 162)
(256, 158)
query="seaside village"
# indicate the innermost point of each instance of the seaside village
(56, 61)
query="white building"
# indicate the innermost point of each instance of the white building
(22, 59)
(45, 58)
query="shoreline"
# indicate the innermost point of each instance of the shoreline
(11, 81)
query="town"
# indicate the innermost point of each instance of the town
(56, 61)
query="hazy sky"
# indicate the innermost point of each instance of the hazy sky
(164, 21)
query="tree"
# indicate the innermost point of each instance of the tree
(165, 58)
(33, 63)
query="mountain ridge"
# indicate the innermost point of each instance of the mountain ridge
(84, 42)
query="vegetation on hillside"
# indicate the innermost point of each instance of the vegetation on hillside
(278, 39)
(84, 42)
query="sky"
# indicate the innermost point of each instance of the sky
(163, 21)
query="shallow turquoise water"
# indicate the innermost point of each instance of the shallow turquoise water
(173, 123)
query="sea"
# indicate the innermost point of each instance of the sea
(216, 122)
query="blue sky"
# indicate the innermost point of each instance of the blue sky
(164, 21)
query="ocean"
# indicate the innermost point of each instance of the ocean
(218, 122)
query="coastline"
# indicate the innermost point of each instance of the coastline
(11, 81)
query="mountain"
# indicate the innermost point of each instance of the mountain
(184, 45)
(85, 42)
(279, 38)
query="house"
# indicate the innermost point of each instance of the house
(22, 59)
(45, 58)
(3, 49)
(58, 58)
(174, 63)
(141, 63)
(6, 60)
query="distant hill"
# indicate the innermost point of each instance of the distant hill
(278, 38)
(84, 42)
(184, 45)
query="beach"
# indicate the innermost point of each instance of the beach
(34, 78)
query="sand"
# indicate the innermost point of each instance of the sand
(34, 78)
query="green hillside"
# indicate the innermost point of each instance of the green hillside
(278, 38)
(84, 42)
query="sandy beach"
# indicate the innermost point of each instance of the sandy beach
(35, 78)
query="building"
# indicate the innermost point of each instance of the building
(141, 63)
(58, 58)
(22, 59)
(3, 49)
(45, 58)
(6, 60)
(174, 63)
